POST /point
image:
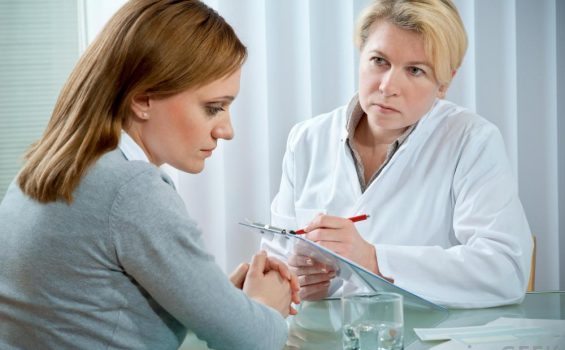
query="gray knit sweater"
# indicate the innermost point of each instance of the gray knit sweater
(122, 267)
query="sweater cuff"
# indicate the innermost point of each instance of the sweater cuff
(281, 327)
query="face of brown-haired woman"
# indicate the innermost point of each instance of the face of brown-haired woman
(183, 130)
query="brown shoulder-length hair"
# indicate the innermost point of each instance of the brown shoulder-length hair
(159, 47)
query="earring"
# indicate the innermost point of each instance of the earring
(145, 115)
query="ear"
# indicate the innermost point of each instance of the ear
(140, 106)
(442, 91)
(443, 88)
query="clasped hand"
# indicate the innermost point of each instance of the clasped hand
(268, 281)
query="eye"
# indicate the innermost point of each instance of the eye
(415, 71)
(212, 110)
(378, 61)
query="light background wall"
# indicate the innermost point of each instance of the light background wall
(38, 48)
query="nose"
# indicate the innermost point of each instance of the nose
(389, 84)
(223, 130)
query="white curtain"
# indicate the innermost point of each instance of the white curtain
(302, 62)
(38, 49)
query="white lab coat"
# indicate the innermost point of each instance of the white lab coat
(446, 220)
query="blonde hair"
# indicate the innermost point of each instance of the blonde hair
(438, 21)
(159, 47)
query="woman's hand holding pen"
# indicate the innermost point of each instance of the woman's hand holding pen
(340, 235)
(268, 281)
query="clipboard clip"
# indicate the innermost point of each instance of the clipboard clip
(264, 228)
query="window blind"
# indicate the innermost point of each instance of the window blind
(39, 45)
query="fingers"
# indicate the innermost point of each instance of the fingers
(315, 291)
(258, 262)
(306, 280)
(277, 280)
(304, 265)
(274, 264)
(337, 247)
(319, 268)
(292, 311)
(277, 265)
(300, 260)
(284, 271)
(322, 271)
(294, 284)
(327, 234)
(237, 277)
(295, 288)
(270, 288)
(327, 221)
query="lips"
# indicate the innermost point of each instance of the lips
(206, 153)
(386, 107)
(212, 148)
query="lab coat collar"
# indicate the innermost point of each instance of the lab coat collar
(353, 113)
(421, 129)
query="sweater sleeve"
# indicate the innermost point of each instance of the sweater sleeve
(161, 249)
(491, 264)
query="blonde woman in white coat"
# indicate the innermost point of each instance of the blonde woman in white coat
(446, 221)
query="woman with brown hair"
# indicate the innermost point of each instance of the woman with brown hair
(97, 248)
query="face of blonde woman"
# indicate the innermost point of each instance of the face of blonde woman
(183, 130)
(397, 85)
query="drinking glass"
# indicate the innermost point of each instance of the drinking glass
(372, 321)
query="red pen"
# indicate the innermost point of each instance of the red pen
(354, 219)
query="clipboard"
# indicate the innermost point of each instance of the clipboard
(347, 270)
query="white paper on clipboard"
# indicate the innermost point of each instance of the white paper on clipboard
(346, 269)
